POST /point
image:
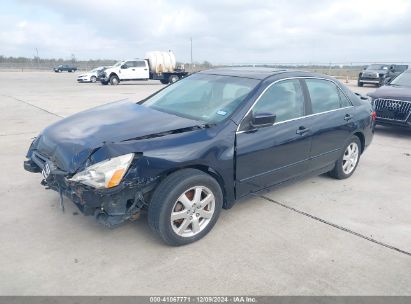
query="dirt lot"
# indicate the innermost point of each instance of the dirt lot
(316, 237)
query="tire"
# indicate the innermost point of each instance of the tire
(173, 78)
(168, 199)
(348, 161)
(93, 79)
(103, 82)
(164, 81)
(114, 80)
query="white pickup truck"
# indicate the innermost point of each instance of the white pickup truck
(156, 65)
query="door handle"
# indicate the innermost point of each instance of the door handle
(133, 69)
(302, 130)
(145, 69)
(347, 117)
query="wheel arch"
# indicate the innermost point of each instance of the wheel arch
(207, 170)
(113, 74)
(361, 137)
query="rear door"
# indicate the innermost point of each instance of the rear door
(141, 69)
(331, 121)
(272, 154)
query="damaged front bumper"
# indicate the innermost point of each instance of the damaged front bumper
(111, 206)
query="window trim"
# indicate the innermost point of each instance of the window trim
(305, 100)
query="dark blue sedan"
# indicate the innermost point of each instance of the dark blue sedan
(196, 146)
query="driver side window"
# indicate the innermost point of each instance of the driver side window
(285, 99)
(130, 64)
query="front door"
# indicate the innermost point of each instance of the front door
(269, 155)
(135, 69)
(128, 70)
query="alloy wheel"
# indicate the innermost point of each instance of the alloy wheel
(192, 211)
(350, 158)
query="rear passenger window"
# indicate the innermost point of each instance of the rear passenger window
(140, 64)
(285, 99)
(324, 94)
(345, 102)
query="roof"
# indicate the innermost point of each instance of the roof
(263, 73)
(246, 72)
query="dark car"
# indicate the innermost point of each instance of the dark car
(373, 74)
(65, 67)
(196, 146)
(392, 102)
(394, 71)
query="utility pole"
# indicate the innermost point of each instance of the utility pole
(191, 51)
(38, 58)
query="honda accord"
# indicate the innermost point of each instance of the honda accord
(198, 145)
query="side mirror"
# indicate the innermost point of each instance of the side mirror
(124, 66)
(261, 119)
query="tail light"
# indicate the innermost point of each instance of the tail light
(373, 115)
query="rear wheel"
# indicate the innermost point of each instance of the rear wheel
(348, 161)
(164, 81)
(103, 82)
(114, 80)
(173, 78)
(185, 206)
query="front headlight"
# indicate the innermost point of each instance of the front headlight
(105, 174)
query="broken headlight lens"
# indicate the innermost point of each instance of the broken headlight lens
(105, 174)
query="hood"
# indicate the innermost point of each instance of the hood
(400, 93)
(69, 142)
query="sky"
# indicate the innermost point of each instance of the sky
(222, 31)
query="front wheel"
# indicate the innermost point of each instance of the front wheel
(185, 206)
(164, 81)
(93, 79)
(114, 80)
(348, 161)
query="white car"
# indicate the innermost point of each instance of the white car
(90, 76)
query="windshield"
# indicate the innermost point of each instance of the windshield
(403, 80)
(209, 98)
(118, 64)
(377, 67)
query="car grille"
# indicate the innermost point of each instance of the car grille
(370, 75)
(392, 109)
